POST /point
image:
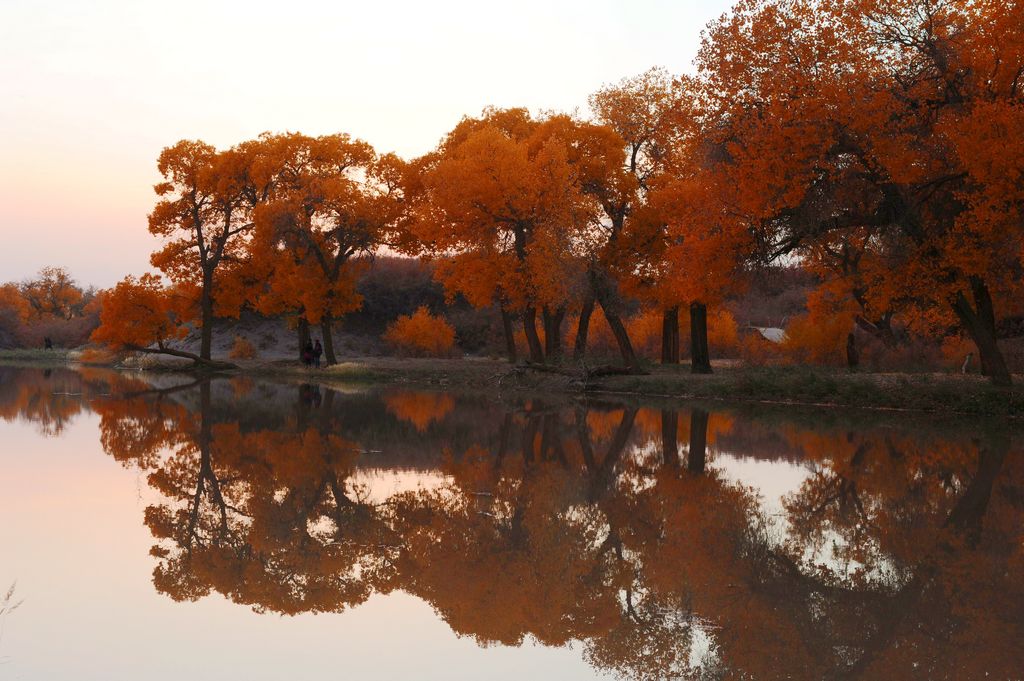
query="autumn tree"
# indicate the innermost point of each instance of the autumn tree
(333, 198)
(246, 513)
(143, 315)
(14, 312)
(644, 112)
(884, 117)
(50, 308)
(52, 293)
(421, 334)
(596, 267)
(12, 299)
(203, 214)
(501, 203)
(703, 252)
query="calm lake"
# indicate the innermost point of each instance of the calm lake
(158, 527)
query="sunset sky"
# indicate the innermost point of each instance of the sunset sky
(91, 91)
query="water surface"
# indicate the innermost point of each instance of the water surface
(160, 527)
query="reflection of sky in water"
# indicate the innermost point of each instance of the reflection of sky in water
(775, 480)
(772, 479)
(378, 484)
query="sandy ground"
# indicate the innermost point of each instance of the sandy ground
(274, 340)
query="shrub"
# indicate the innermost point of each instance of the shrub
(723, 334)
(421, 335)
(98, 356)
(420, 409)
(755, 350)
(817, 340)
(242, 349)
(645, 333)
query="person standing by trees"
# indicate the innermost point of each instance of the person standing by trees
(333, 198)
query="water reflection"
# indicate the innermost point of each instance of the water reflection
(614, 526)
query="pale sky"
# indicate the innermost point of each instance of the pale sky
(91, 91)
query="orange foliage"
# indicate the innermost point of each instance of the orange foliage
(331, 198)
(98, 356)
(499, 197)
(871, 104)
(12, 300)
(140, 312)
(421, 334)
(420, 409)
(53, 293)
(819, 337)
(645, 333)
(242, 349)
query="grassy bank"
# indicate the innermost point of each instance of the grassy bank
(781, 385)
(774, 385)
(36, 357)
(814, 386)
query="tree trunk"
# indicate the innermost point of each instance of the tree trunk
(325, 326)
(700, 361)
(880, 328)
(670, 336)
(852, 356)
(621, 338)
(697, 457)
(532, 339)
(529, 438)
(503, 439)
(198, 361)
(970, 509)
(303, 331)
(205, 422)
(206, 318)
(328, 409)
(553, 331)
(550, 442)
(980, 322)
(670, 437)
(510, 336)
(583, 328)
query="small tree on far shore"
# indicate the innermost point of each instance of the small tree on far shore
(142, 315)
(421, 334)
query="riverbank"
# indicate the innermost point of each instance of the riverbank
(813, 386)
(770, 385)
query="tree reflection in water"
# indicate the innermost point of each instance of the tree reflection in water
(898, 557)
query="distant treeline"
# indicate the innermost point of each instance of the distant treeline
(48, 306)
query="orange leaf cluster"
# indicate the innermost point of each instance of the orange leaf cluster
(421, 334)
